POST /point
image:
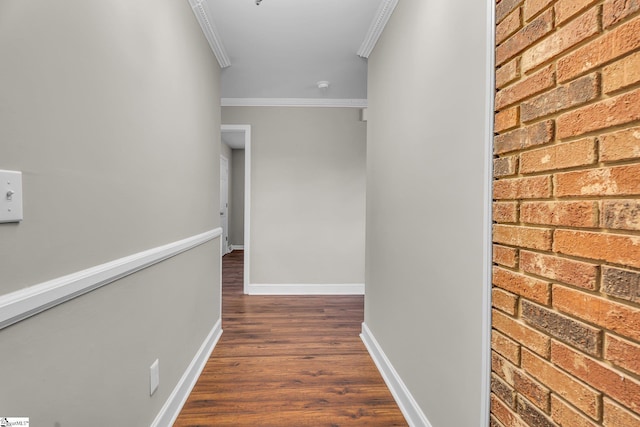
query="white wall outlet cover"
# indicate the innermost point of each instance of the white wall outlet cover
(10, 196)
(154, 377)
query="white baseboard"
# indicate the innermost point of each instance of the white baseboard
(409, 407)
(172, 407)
(21, 304)
(237, 248)
(306, 289)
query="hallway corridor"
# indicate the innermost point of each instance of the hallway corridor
(288, 361)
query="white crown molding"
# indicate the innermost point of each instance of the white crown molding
(406, 402)
(377, 27)
(173, 405)
(306, 289)
(293, 102)
(210, 32)
(24, 303)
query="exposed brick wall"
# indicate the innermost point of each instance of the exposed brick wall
(566, 274)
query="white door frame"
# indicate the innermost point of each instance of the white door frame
(225, 229)
(247, 196)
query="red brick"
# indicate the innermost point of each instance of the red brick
(505, 256)
(505, 166)
(617, 416)
(559, 156)
(504, 414)
(528, 287)
(530, 136)
(527, 237)
(620, 214)
(502, 367)
(503, 390)
(532, 415)
(564, 270)
(621, 74)
(493, 422)
(508, 73)
(585, 195)
(531, 389)
(615, 384)
(507, 119)
(613, 181)
(573, 94)
(503, 300)
(564, 328)
(572, 214)
(623, 284)
(565, 38)
(625, 354)
(508, 26)
(582, 396)
(610, 46)
(615, 111)
(619, 318)
(621, 145)
(532, 85)
(524, 38)
(614, 248)
(505, 346)
(505, 7)
(521, 333)
(505, 211)
(614, 11)
(565, 416)
(522, 188)
(566, 9)
(533, 7)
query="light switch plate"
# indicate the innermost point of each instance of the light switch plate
(10, 196)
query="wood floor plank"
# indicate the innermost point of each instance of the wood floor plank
(288, 361)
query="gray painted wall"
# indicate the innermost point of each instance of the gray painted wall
(307, 194)
(425, 201)
(111, 110)
(237, 198)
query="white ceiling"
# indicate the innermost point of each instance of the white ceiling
(281, 48)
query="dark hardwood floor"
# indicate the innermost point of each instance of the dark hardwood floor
(288, 361)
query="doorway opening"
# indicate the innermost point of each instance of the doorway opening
(224, 204)
(239, 137)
